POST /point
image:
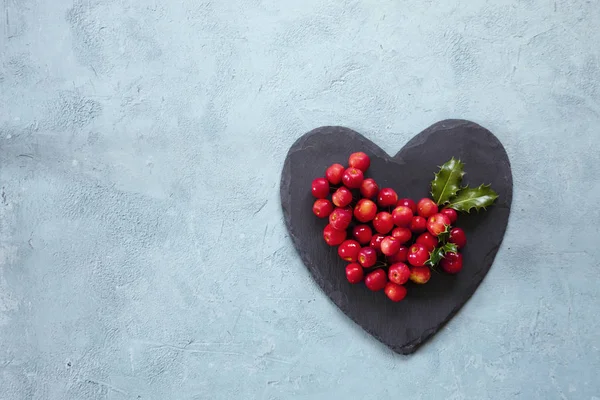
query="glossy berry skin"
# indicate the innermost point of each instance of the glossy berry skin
(395, 292)
(458, 237)
(367, 257)
(322, 208)
(376, 280)
(417, 255)
(410, 203)
(390, 246)
(387, 197)
(365, 210)
(348, 250)
(362, 234)
(376, 241)
(340, 218)
(342, 197)
(383, 222)
(369, 188)
(320, 188)
(354, 273)
(334, 173)
(437, 224)
(452, 263)
(402, 216)
(420, 275)
(332, 236)
(451, 214)
(353, 178)
(426, 207)
(418, 224)
(399, 273)
(402, 234)
(359, 160)
(427, 240)
(400, 256)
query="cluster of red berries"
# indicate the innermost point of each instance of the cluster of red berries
(385, 232)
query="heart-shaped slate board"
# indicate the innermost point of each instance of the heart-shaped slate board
(406, 325)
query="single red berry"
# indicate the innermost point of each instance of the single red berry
(367, 257)
(395, 292)
(376, 280)
(340, 218)
(354, 273)
(387, 198)
(451, 214)
(334, 173)
(420, 275)
(402, 234)
(418, 224)
(426, 207)
(369, 188)
(437, 224)
(359, 160)
(353, 178)
(417, 255)
(399, 273)
(452, 263)
(376, 241)
(383, 222)
(390, 246)
(348, 250)
(365, 210)
(402, 216)
(332, 236)
(408, 203)
(428, 240)
(362, 233)
(320, 188)
(400, 256)
(322, 208)
(458, 237)
(342, 197)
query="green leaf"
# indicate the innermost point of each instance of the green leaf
(478, 198)
(450, 248)
(435, 256)
(446, 183)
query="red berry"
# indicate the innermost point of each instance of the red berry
(383, 222)
(390, 246)
(332, 236)
(376, 280)
(320, 188)
(417, 255)
(418, 224)
(402, 216)
(362, 233)
(387, 197)
(420, 275)
(369, 188)
(322, 208)
(348, 250)
(354, 273)
(426, 207)
(428, 240)
(359, 160)
(402, 234)
(458, 237)
(342, 197)
(400, 256)
(376, 241)
(334, 173)
(340, 218)
(367, 257)
(395, 292)
(353, 178)
(365, 210)
(452, 263)
(437, 224)
(399, 273)
(408, 203)
(451, 214)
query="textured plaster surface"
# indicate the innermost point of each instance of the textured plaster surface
(142, 249)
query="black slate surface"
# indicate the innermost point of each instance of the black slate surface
(406, 325)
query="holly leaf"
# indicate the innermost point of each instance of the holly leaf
(449, 248)
(435, 256)
(447, 180)
(477, 198)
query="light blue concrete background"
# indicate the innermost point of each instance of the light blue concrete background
(142, 249)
